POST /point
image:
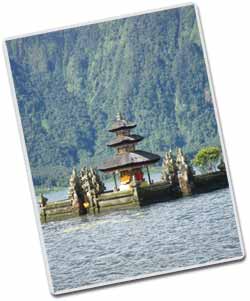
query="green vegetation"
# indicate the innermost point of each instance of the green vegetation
(71, 83)
(207, 158)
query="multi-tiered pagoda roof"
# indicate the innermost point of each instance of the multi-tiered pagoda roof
(126, 157)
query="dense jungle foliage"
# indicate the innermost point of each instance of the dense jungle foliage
(71, 83)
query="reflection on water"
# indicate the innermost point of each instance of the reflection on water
(128, 243)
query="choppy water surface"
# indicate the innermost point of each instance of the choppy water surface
(128, 243)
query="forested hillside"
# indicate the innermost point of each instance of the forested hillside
(70, 84)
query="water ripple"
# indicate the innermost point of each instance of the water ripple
(135, 242)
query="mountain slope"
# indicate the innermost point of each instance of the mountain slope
(70, 84)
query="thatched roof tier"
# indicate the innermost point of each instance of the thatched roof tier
(121, 124)
(133, 159)
(121, 140)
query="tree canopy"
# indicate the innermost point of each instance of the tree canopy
(207, 158)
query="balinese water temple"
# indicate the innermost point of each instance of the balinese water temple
(87, 193)
(128, 162)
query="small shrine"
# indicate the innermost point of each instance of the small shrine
(127, 163)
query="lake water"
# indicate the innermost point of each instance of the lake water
(94, 250)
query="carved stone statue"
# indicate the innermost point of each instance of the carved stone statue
(72, 186)
(76, 194)
(92, 185)
(185, 173)
(221, 166)
(169, 172)
(43, 201)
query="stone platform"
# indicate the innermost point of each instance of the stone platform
(138, 196)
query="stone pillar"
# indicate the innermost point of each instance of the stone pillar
(169, 169)
(221, 166)
(43, 203)
(92, 186)
(76, 194)
(185, 174)
(135, 187)
(72, 195)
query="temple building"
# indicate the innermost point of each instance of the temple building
(128, 162)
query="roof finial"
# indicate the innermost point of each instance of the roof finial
(119, 116)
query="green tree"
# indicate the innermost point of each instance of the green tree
(207, 158)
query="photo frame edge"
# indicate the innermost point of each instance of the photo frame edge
(28, 169)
